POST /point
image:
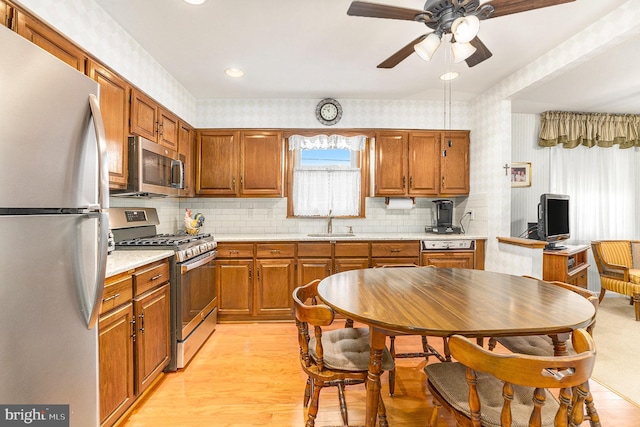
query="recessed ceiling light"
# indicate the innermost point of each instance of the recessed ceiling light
(234, 72)
(195, 1)
(449, 76)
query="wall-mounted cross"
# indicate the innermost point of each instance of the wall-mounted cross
(506, 168)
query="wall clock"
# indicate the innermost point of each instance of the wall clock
(329, 111)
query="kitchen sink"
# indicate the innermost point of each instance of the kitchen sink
(331, 235)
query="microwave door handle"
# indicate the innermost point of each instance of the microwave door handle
(179, 183)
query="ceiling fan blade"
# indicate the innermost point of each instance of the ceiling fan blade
(400, 55)
(374, 10)
(508, 7)
(481, 53)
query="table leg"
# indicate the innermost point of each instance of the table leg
(377, 342)
(560, 344)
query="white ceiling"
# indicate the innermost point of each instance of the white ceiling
(312, 49)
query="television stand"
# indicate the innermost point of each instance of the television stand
(567, 265)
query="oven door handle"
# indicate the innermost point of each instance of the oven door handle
(184, 268)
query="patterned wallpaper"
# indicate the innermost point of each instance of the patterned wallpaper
(488, 117)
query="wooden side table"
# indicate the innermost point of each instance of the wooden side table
(567, 265)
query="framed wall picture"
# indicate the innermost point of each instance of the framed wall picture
(520, 174)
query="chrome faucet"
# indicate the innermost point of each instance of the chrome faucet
(330, 224)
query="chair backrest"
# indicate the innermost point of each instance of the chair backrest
(614, 252)
(308, 311)
(538, 372)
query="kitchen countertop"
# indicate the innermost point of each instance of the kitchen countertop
(370, 237)
(120, 261)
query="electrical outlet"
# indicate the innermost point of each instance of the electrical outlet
(470, 212)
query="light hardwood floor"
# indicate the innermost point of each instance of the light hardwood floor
(249, 375)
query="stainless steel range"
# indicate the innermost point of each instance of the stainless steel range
(193, 291)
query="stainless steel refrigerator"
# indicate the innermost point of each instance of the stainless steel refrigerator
(53, 237)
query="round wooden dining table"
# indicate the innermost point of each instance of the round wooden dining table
(447, 301)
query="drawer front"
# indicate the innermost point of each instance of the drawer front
(314, 250)
(235, 250)
(150, 276)
(356, 249)
(275, 250)
(117, 291)
(395, 249)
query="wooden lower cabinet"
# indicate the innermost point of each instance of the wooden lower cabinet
(234, 282)
(133, 339)
(350, 256)
(395, 253)
(449, 259)
(152, 310)
(116, 330)
(275, 279)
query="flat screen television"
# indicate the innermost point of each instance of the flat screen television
(553, 219)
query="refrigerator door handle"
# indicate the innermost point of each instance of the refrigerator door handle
(103, 216)
(103, 165)
(101, 270)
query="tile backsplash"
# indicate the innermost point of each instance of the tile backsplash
(269, 216)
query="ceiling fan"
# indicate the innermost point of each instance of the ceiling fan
(460, 18)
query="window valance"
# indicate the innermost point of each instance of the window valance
(589, 129)
(327, 142)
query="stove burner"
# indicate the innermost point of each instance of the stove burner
(164, 240)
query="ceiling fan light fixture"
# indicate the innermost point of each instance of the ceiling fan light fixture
(462, 51)
(465, 28)
(428, 46)
(195, 2)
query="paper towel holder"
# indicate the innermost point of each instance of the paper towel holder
(386, 200)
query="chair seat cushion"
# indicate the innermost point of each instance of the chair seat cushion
(634, 275)
(450, 381)
(347, 349)
(535, 345)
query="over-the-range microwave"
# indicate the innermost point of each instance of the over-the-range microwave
(154, 170)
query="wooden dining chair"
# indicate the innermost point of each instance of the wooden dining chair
(336, 357)
(427, 349)
(542, 345)
(485, 388)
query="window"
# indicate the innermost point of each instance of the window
(327, 178)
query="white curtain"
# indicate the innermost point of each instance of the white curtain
(327, 142)
(320, 190)
(604, 189)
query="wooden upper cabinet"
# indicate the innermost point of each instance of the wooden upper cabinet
(6, 14)
(422, 163)
(391, 163)
(239, 163)
(151, 121)
(114, 104)
(261, 163)
(50, 40)
(186, 146)
(144, 115)
(168, 129)
(454, 164)
(217, 163)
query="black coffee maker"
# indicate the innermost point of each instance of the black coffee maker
(444, 217)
